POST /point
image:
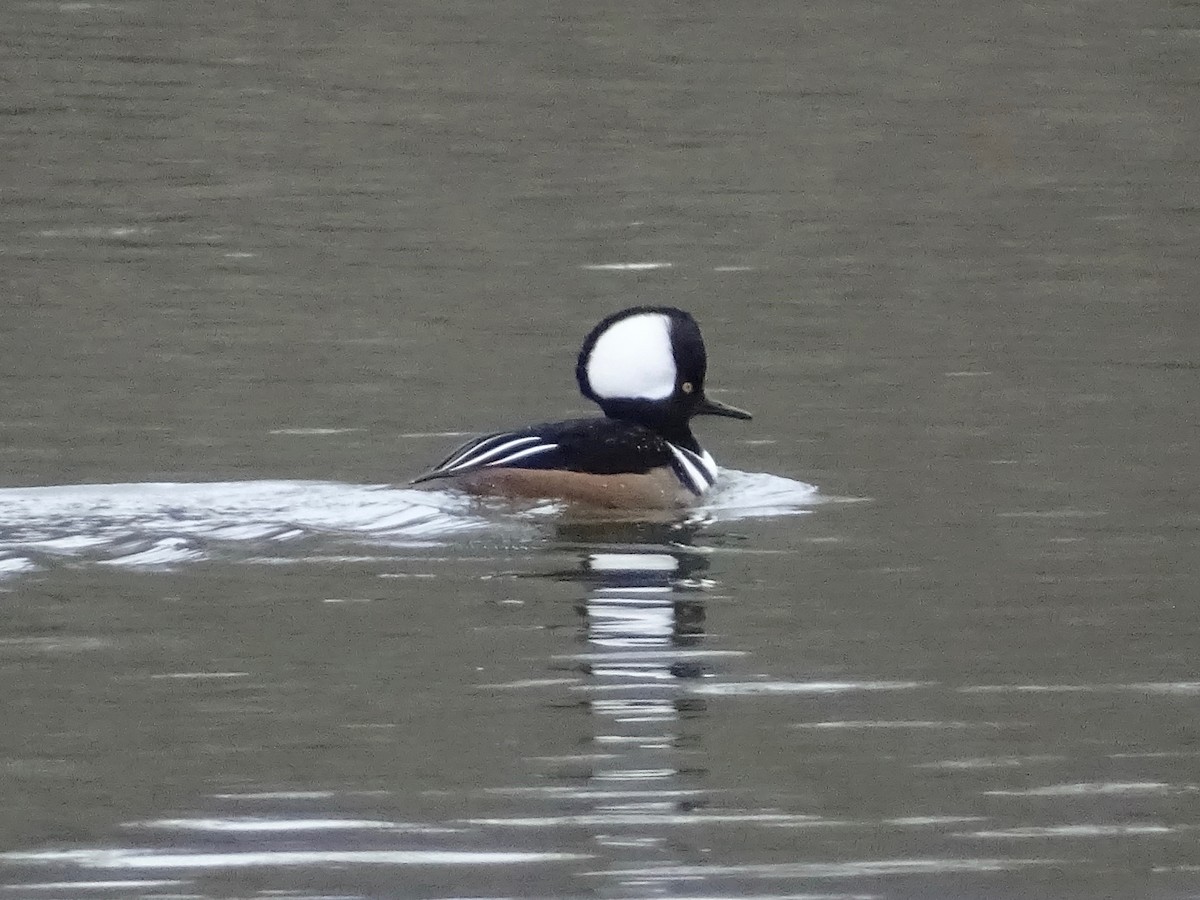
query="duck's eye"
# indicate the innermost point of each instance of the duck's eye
(687, 387)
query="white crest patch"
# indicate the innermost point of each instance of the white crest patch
(633, 359)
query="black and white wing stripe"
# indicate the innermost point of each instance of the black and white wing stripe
(597, 446)
(490, 451)
(697, 471)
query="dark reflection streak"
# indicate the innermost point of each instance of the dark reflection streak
(642, 618)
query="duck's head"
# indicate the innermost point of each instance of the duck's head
(647, 364)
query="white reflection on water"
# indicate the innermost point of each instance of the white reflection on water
(857, 724)
(626, 266)
(745, 689)
(152, 859)
(1098, 789)
(639, 817)
(1142, 687)
(250, 825)
(992, 762)
(1071, 831)
(124, 885)
(852, 869)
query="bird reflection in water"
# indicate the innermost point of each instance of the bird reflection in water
(643, 614)
(642, 631)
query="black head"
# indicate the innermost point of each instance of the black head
(647, 365)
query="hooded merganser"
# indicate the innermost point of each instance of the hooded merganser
(645, 367)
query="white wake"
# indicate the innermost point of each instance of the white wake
(151, 525)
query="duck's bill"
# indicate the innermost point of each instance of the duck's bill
(717, 408)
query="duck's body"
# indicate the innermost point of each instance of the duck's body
(645, 367)
(599, 461)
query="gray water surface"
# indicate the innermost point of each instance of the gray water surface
(934, 636)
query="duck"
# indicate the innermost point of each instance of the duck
(644, 366)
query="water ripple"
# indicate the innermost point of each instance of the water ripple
(1100, 789)
(153, 859)
(852, 869)
(752, 688)
(161, 525)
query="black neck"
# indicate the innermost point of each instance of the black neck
(664, 419)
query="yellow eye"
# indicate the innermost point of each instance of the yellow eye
(687, 387)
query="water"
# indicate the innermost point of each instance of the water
(934, 635)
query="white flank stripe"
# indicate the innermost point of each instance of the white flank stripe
(705, 461)
(696, 480)
(521, 454)
(463, 452)
(478, 459)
